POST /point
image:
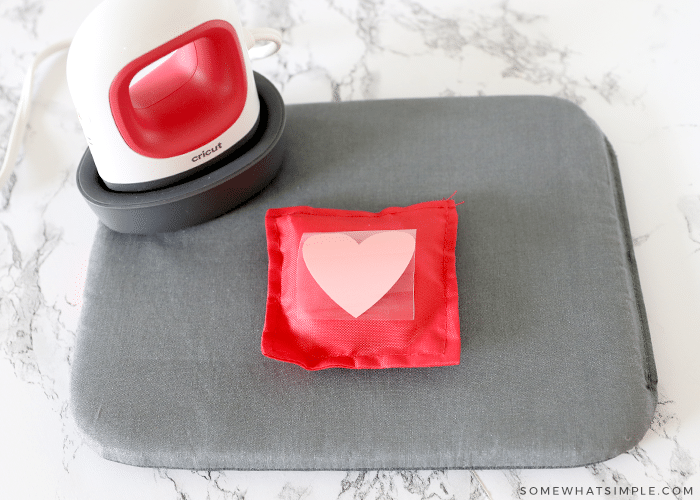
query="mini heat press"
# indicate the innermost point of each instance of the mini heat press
(179, 128)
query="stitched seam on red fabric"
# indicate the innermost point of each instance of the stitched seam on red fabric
(431, 357)
(444, 278)
(279, 258)
(363, 216)
(273, 295)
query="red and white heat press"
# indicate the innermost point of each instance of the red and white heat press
(165, 93)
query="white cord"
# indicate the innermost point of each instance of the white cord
(23, 107)
(254, 35)
(481, 483)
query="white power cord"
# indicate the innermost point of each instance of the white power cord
(481, 483)
(23, 108)
(259, 51)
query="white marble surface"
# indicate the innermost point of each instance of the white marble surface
(631, 64)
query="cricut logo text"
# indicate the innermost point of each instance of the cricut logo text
(206, 153)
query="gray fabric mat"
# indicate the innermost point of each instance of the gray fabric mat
(556, 367)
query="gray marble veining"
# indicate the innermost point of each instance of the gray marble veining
(620, 62)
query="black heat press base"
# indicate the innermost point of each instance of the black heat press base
(226, 183)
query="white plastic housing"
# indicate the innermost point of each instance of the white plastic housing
(116, 33)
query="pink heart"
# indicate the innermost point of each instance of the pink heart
(356, 275)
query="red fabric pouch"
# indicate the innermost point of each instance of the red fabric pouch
(357, 289)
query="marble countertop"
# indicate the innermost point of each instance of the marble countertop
(632, 65)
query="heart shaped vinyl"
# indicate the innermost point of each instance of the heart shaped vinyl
(356, 275)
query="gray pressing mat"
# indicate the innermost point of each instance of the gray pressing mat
(556, 366)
